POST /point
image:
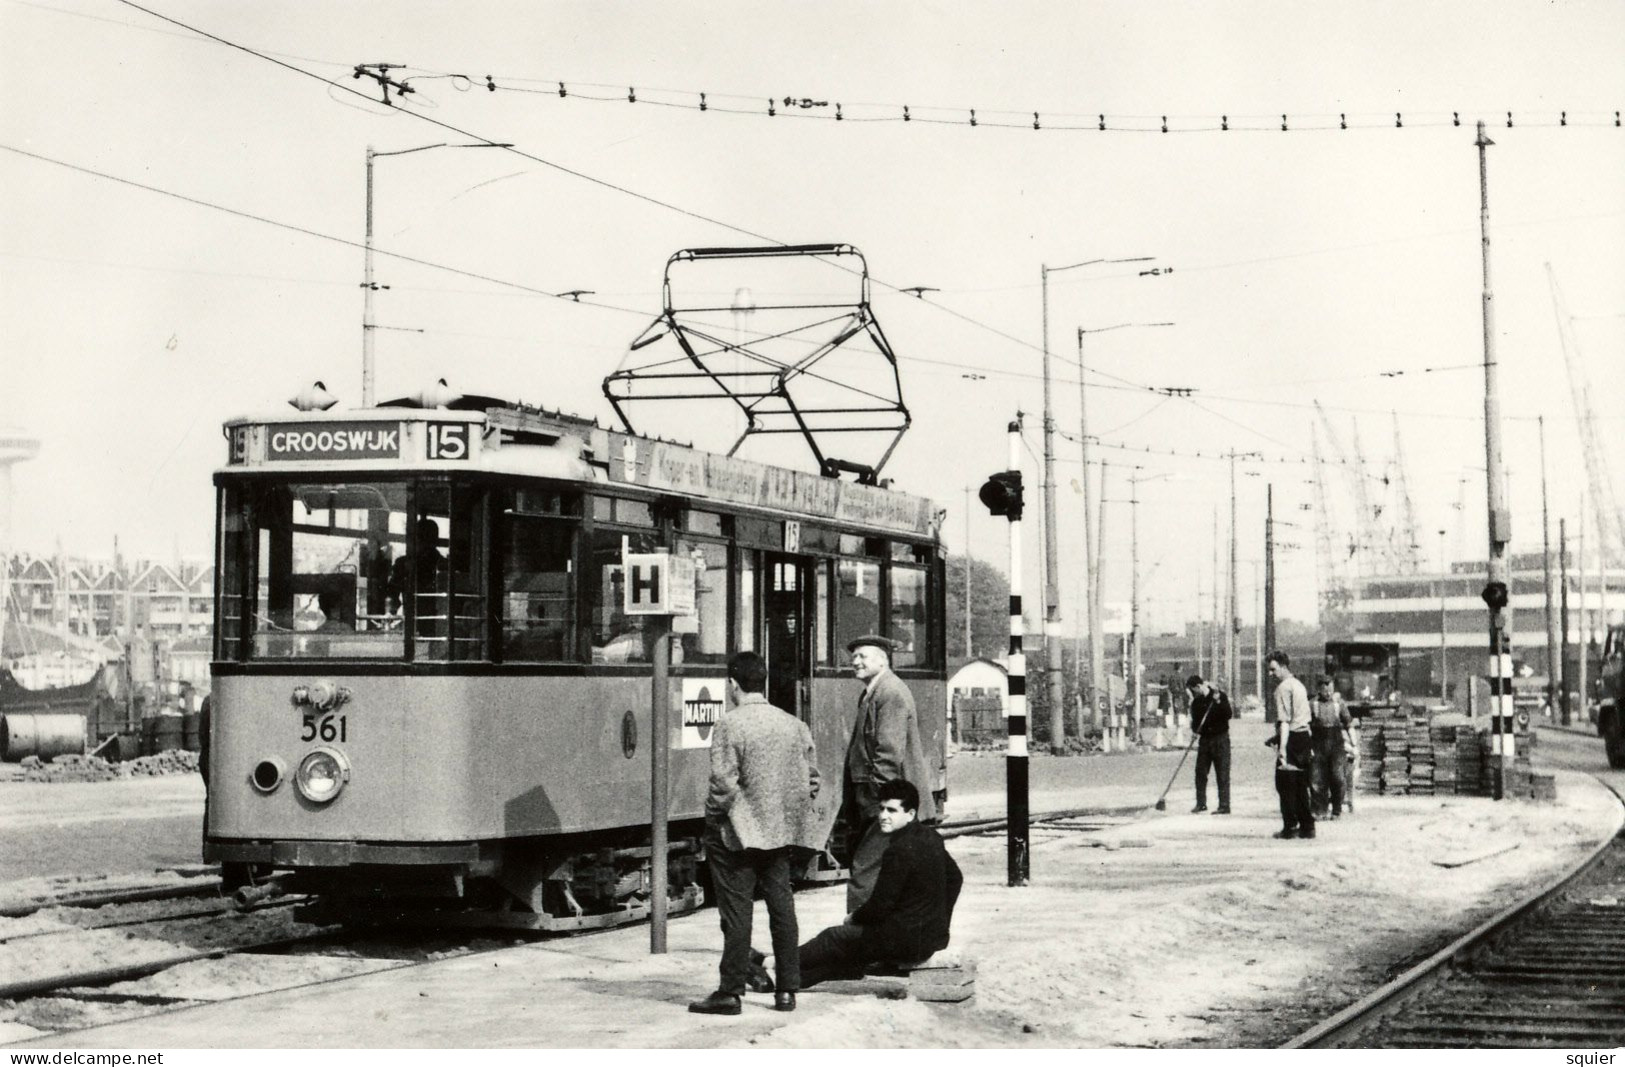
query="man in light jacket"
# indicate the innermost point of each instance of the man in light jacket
(758, 809)
(885, 747)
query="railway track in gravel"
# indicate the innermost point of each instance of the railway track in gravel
(1547, 972)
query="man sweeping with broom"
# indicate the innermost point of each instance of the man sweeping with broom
(1210, 712)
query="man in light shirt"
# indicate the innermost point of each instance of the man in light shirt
(1294, 749)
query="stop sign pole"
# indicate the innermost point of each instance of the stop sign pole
(658, 585)
(1002, 495)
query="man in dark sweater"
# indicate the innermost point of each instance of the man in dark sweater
(1210, 718)
(907, 916)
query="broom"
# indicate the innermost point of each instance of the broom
(1162, 801)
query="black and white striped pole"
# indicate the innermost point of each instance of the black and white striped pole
(1503, 747)
(1002, 495)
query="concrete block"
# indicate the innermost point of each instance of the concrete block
(947, 980)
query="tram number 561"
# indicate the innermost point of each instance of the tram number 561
(447, 440)
(325, 728)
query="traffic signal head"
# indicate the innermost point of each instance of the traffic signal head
(1001, 493)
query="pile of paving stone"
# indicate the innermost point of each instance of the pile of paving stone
(69, 769)
(174, 761)
(75, 768)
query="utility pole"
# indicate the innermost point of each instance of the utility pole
(368, 285)
(1496, 593)
(1269, 579)
(1563, 624)
(1098, 607)
(1232, 630)
(1092, 549)
(967, 573)
(1585, 631)
(1552, 661)
(1134, 598)
(1218, 599)
(1052, 589)
(1444, 648)
(1091, 561)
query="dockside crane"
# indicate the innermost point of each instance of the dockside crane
(1330, 559)
(1610, 521)
(1407, 544)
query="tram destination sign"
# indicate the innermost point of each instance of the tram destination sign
(294, 441)
(678, 469)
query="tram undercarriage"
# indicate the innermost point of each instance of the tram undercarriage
(542, 885)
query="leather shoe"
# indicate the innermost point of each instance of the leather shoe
(718, 1003)
(784, 1002)
(1284, 835)
(757, 980)
(1306, 835)
(1221, 811)
(1199, 807)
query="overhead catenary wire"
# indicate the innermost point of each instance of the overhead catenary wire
(827, 108)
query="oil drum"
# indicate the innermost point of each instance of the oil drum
(189, 731)
(149, 730)
(45, 736)
(169, 733)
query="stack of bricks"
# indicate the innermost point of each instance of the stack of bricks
(1369, 739)
(1419, 770)
(1396, 754)
(1445, 754)
(1469, 761)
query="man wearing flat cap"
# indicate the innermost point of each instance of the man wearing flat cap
(885, 747)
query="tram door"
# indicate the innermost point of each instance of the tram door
(786, 646)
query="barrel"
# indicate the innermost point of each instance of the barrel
(149, 729)
(189, 731)
(45, 736)
(168, 734)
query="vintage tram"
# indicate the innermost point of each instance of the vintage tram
(427, 697)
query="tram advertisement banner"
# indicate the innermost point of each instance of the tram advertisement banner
(702, 706)
(676, 469)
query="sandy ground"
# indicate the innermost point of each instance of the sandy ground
(1187, 930)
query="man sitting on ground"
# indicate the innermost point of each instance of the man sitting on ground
(907, 916)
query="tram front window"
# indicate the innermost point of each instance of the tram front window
(342, 570)
(322, 563)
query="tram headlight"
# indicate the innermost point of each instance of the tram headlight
(322, 774)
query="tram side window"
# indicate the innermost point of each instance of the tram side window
(235, 534)
(536, 546)
(322, 560)
(445, 571)
(857, 599)
(705, 633)
(909, 630)
(616, 636)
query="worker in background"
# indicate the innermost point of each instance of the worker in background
(1329, 730)
(907, 916)
(757, 811)
(885, 747)
(1210, 720)
(1294, 749)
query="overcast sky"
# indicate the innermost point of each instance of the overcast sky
(1315, 263)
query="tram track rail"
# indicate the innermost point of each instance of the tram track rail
(151, 920)
(101, 897)
(1546, 972)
